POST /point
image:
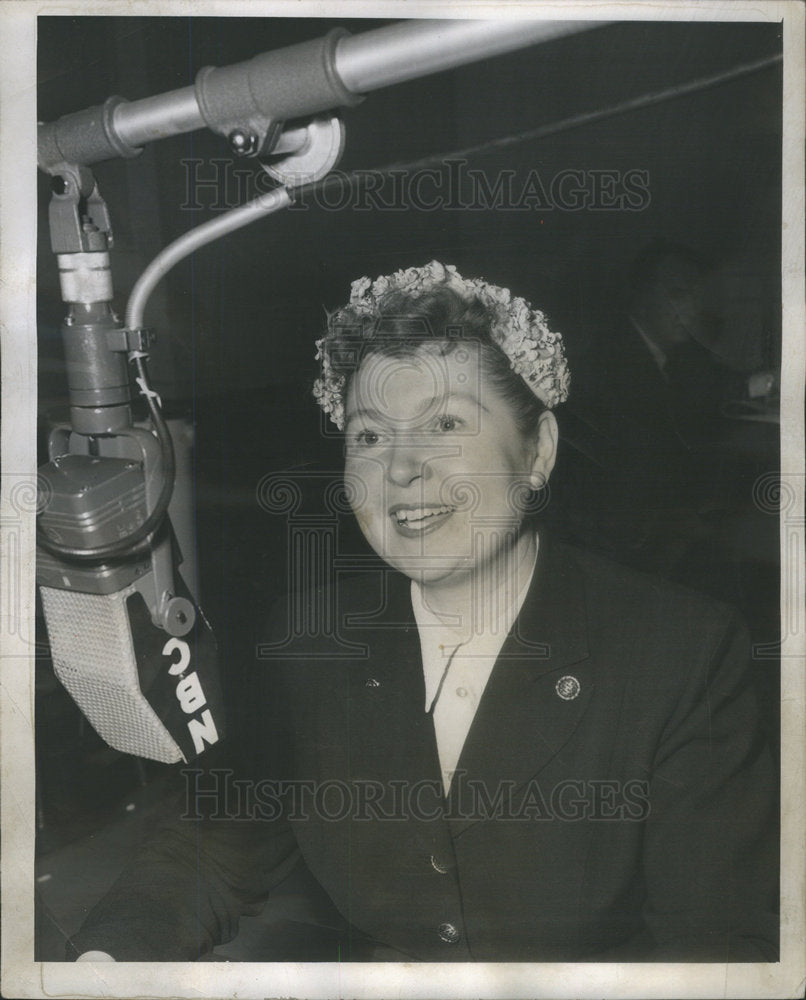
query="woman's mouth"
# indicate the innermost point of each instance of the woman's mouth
(415, 521)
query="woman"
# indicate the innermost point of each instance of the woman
(502, 749)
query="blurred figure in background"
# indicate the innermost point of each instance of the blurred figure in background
(651, 396)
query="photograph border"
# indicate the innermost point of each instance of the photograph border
(20, 975)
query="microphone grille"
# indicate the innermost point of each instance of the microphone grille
(93, 657)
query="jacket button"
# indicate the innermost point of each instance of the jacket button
(438, 866)
(449, 933)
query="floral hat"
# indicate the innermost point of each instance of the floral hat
(535, 352)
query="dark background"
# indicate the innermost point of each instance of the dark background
(237, 320)
(243, 311)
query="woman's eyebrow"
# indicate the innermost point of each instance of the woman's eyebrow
(466, 396)
(437, 402)
(363, 412)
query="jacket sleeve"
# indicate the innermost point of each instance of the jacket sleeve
(226, 845)
(184, 891)
(711, 847)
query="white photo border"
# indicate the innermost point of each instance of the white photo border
(23, 977)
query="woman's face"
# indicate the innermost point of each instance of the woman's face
(436, 466)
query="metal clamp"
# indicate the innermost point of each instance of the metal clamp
(125, 340)
(319, 147)
(79, 218)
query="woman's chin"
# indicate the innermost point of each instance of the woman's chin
(431, 571)
(454, 562)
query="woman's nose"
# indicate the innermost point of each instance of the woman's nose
(405, 462)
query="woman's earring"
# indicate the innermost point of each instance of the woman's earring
(533, 496)
(541, 493)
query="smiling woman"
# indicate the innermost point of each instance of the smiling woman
(439, 465)
(499, 747)
(444, 469)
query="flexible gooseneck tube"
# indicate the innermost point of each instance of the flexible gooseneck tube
(191, 241)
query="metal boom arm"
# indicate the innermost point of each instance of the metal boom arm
(249, 101)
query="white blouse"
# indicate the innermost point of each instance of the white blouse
(456, 669)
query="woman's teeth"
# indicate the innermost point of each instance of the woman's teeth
(420, 516)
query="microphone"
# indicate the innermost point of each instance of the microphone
(149, 688)
(127, 638)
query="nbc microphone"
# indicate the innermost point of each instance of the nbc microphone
(127, 639)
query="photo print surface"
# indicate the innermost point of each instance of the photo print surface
(410, 496)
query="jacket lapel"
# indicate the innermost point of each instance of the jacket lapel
(390, 735)
(522, 721)
(525, 716)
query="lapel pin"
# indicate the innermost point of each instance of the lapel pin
(567, 687)
(372, 682)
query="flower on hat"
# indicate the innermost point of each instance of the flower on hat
(535, 351)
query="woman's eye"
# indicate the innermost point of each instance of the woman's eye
(448, 423)
(368, 437)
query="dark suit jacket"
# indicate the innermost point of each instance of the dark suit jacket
(616, 800)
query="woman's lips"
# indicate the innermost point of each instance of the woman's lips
(413, 522)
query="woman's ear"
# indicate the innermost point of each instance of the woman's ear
(546, 450)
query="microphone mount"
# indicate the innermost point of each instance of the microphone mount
(109, 481)
(248, 103)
